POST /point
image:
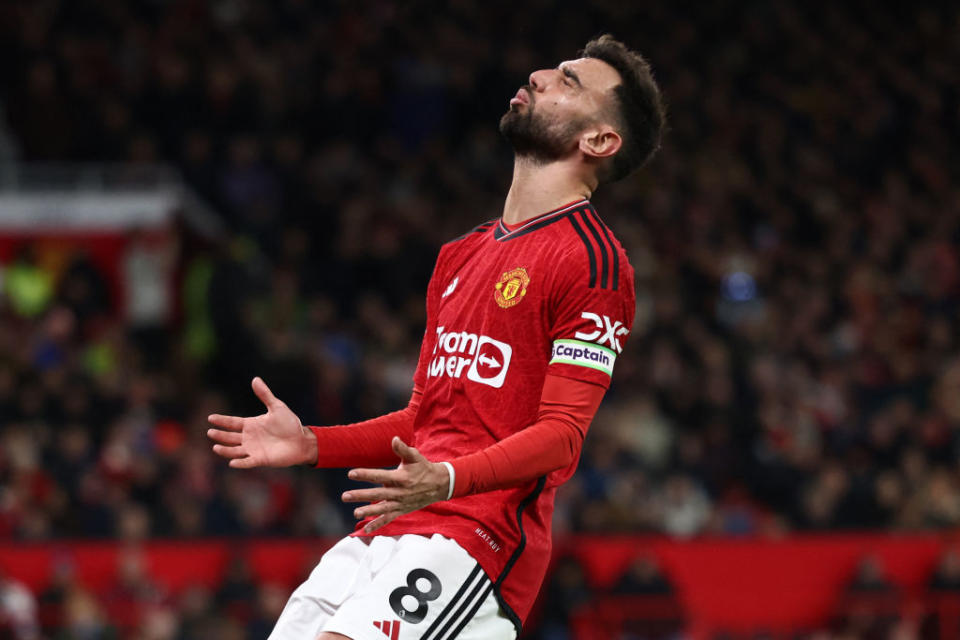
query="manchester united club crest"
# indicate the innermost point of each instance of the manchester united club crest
(511, 287)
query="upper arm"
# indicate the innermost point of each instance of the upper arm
(590, 320)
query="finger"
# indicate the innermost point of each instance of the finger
(376, 476)
(233, 423)
(383, 520)
(229, 452)
(230, 438)
(377, 509)
(372, 495)
(263, 392)
(405, 452)
(244, 463)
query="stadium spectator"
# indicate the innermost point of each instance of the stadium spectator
(643, 577)
(946, 577)
(795, 354)
(566, 594)
(84, 618)
(18, 610)
(870, 578)
(870, 608)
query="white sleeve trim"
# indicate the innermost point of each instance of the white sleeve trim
(453, 478)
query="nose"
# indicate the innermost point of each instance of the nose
(539, 79)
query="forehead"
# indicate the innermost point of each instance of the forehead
(593, 73)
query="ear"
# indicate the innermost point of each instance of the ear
(600, 142)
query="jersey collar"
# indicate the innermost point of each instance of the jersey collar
(503, 232)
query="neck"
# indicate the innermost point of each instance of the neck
(540, 187)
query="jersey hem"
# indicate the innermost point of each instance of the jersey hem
(508, 611)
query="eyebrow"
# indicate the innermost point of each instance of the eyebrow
(567, 71)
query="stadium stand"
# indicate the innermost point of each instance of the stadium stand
(794, 366)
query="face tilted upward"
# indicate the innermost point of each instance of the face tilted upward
(547, 115)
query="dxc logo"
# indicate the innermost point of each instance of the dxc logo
(606, 330)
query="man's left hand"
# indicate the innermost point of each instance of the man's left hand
(414, 484)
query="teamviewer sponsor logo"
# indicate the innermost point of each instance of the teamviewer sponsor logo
(490, 365)
(484, 359)
(583, 354)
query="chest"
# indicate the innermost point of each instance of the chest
(503, 287)
(493, 314)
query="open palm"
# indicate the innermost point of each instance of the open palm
(273, 439)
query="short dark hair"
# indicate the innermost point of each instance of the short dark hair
(640, 114)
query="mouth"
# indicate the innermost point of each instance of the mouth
(522, 97)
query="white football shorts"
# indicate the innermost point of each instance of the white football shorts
(407, 587)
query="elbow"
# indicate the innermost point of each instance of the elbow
(571, 438)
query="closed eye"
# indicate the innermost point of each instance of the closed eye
(571, 75)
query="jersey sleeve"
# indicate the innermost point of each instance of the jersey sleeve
(430, 332)
(367, 443)
(591, 318)
(553, 442)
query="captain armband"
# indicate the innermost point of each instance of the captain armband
(583, 354)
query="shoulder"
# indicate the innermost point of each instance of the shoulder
(459, 249)
(473, 234)
(594, 253)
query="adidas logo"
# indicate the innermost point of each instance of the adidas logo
(390, 628)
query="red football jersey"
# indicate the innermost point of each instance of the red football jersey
(504, 308)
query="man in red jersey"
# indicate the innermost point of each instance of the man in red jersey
(526, 316)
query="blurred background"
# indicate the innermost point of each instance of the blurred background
(193, 193)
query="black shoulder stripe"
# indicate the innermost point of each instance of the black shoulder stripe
(604, 259)
(613, 247)
(591, 256)
(498, 233)
(480, 228)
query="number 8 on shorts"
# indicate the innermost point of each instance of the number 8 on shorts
(411, 590)
(407, 587)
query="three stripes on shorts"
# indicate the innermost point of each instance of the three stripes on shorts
(461, 609)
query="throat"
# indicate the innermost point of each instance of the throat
(537, 189)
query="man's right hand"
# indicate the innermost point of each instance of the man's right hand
(273, 439)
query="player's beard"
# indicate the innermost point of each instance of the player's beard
(532, 136)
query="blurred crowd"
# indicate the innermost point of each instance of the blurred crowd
(641, 603)
(134, 605)
(794, 363)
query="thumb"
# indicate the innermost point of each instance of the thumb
(263, 392)
(405, 452)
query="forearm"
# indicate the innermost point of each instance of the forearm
(553, 442)
(541, 448)
(367, 443)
